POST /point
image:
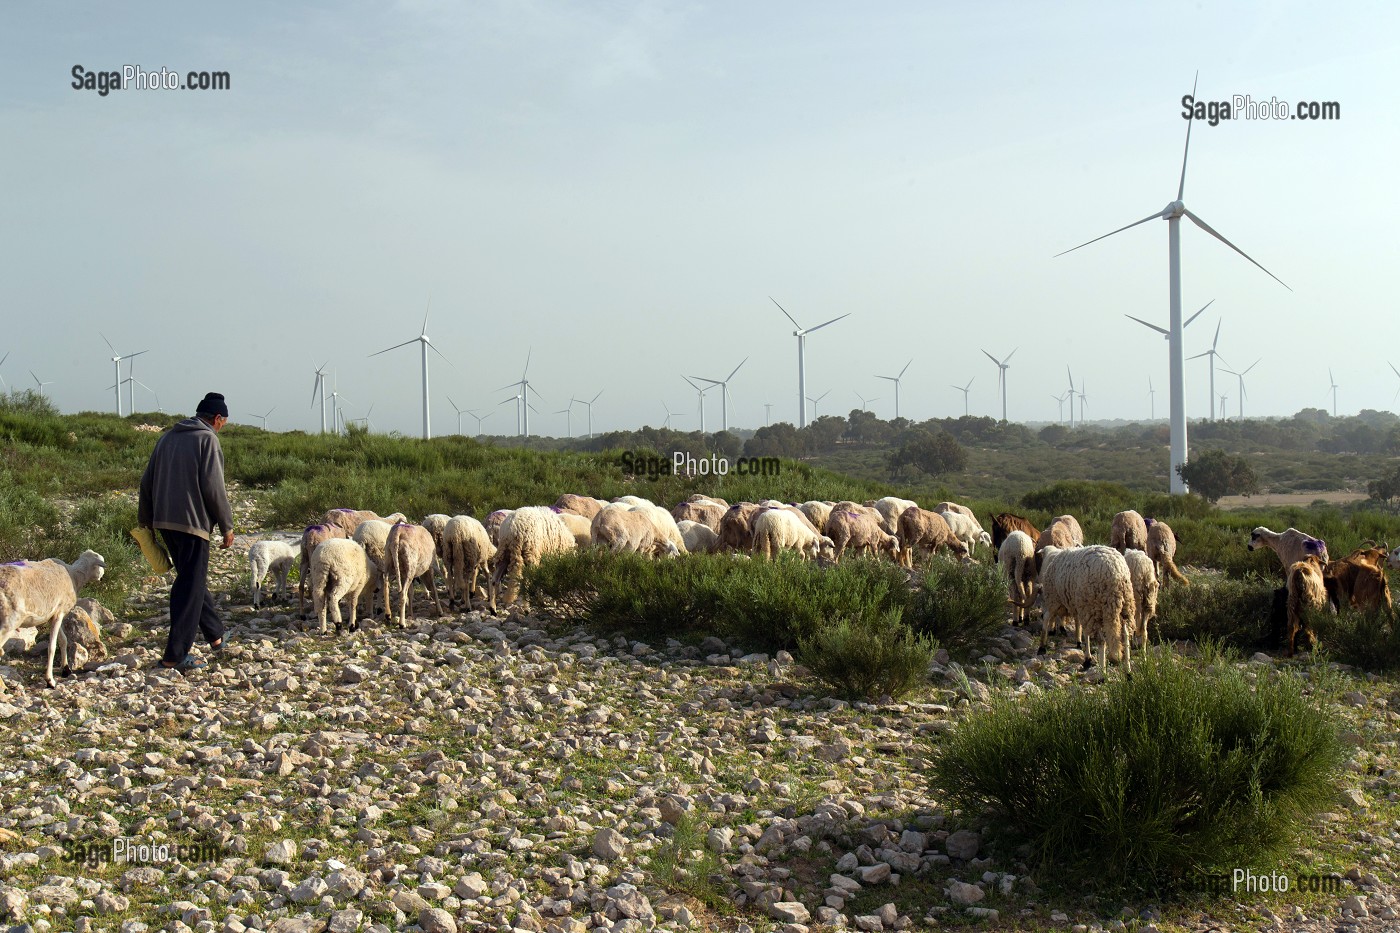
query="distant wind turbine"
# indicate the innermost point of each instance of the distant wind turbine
(724, 393)
(424, 343)
(40, 385)
(700, 393)
(4, 385)
(1166, 334)
(1070, 374)
(1173, 213)
(1213, 355)
(964, 390)
(1002, 367)
(523, 384)
(1083, 401)
(568, 413)
(117, 368)
(1223, 399)
(865, 402)
(1333, 380)
(369, 425)
(335, 404)
(814, 402)
(669, 415)
(589, 405)
(767, 412)
(1152, 393)
(1058, 398)
(460, 412)
(1391, 365)
(895, 380)
(801, 336)
(1240, 375)
(481, 418)
(264, 417)
(320, 386)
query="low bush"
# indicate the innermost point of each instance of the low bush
(1368, 639)
(1234, 612)
(864, 659)
(959, 605)
(1147, 780)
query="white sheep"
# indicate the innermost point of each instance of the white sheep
(468, 553)
(1128, 530)
(1093, 586)
(1291, 545)
(525, 537)
(1161, 547)
(777, 529)
(817, 512)
(631, 530)
(373, 536)
(275, 557)
(632, 501)
(350, 519)
(411, 555)
(698, 538)
(1145, 587)
(341, 569)
(1017, 560)
(665, 523)
(38, 593)
(862, 530)
(581, 528)
(956, 507)
(966, 530)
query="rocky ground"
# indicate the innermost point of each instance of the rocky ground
(500, 773)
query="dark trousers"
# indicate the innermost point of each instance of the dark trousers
(191, 606)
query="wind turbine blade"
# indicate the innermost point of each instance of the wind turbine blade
(1181, 189)
(528, 353)
(104, 340)
(969, 384)
(715, 382)
(1009, 356)
(1391, 365)
(905, 369)
(426, 309)
(528, 389)
(394, 347)
(1199, 355)
(1156, 216)
(513, 398)
(1331, 379)
(1160, 330)
(440, 353)
(984, 353)
(595, 398)
(453, 404)
(822, 396)
(1252, 365)
(509, 385)
(1213, 232)
(890, 378)
(784, 310)
(832, 321)
(1198, 313)
(737, 368)
(1217, 334)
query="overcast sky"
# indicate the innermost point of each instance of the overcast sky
(619, 187)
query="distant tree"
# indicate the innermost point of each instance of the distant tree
(775, 440)
(824, 433)
(1215, 473)
(931, 453)
(1386, 488)
(726, 444)
(1054, 434)
(864, 427)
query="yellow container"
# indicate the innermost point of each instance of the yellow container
(152, 549)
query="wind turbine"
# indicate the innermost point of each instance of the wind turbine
(589, 405)
(1083, 401)
(1223, 399)
(964, 391)
(460, 412)
(424, 343)
(568, 414)
(1002, 367)
(814, 402)
(1070, 374)
(895, 380)
(865, 402)
(1058, 398)
(767, 412)
(4, 385)
(724, 393)
(320, 386)
(1152, 393)
(669, 415)
(701, 394)
(525, 389)
(1240, 375)
(335, 402)
(1212, 354)
(801, 336)
(117, 368)
(1391, 365)
(1333, 380)
(369, 425)
(481, 418)
(1166, 334)
(1173, 213)
(40, 385)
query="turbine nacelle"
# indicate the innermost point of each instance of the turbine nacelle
(1174, 209)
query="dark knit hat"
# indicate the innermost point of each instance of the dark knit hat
(212, 404)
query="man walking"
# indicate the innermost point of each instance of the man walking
(182, 495)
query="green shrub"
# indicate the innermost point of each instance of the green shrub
(1368, 639)
(1233, 612)
(1079, 497)
(959, 605)
(863, 659)
(1149, 779)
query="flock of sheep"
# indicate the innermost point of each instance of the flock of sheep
(1108, 593)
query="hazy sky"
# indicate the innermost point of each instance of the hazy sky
(621, 186)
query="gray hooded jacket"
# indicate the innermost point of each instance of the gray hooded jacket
(183, 486)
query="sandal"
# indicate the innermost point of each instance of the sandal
(188, 663)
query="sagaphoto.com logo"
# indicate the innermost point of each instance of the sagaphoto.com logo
(136, 77)
(1245, 107)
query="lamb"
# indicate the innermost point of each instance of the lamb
(777, 529)
(581, 528)
(274, 557)
(862, 531)
(1017, 559)
(890, 509)
(1145, 586)
(956, 507)
(1307, 592)
(1128, 531)
(1063, 532)
(967, 531)
(631, 530)
(585, 506)
(493, 524)
(467, 549)
(1358, 580)
(38, 593)
(698, 538)
(1291, 545)
(341, 569)
(1161, 547)
(311, 538)
(736, 527)
(411, 555)
(526, 536)
(1093, 586)
(350, 519)
(922, 531)
(1004, 523)
(705, 512)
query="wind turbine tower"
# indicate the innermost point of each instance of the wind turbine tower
(801, 336)
(895, 380)
(424, 343)
(1002, 367)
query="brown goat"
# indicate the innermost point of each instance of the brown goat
(1005, 523)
